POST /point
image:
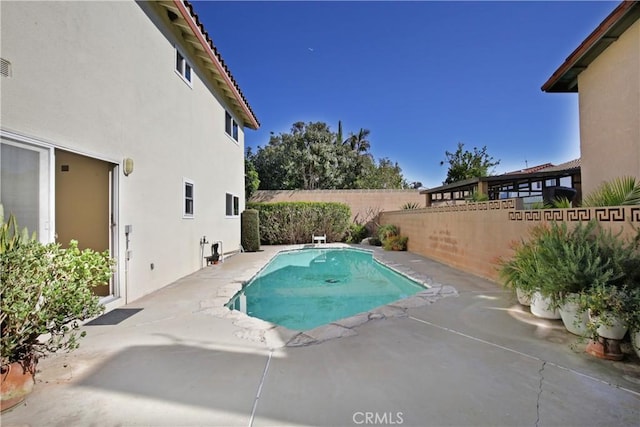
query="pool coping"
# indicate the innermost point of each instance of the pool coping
(276, 336)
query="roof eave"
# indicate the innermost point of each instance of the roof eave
(505, 177)
(454, 185)
(188, 23)
(565, 78)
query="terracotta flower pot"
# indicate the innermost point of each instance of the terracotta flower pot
(17, 382)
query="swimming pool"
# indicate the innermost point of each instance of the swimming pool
(305, 288)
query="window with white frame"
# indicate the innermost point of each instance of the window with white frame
(182, 67)
(188, 197)
(230, 126)
(232, 205)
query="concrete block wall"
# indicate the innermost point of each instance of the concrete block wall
(473, 237)
(364, 204)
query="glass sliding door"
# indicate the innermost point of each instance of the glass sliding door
(25, 186)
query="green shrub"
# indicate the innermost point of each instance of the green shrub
(296, 222)
(585, 259)
(250, 230)
(375, 241)
(356, 233)
(386, 231)
(44, 291)
(395, 243)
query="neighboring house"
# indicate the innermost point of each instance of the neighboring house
(122, 128)
(605, 71)
(532, 185)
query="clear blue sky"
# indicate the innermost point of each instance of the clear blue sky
(421, 76)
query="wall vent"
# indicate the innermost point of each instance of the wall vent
(5, 67)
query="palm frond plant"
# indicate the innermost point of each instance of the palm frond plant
(410, 206)
(560, 203)
(619, 192)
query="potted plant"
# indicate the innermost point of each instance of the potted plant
(571, 261)
(45, 290)
(608, 311)
(520, 273)
(387, 231)
(634, 319)
(396, 243)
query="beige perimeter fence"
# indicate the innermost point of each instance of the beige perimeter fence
(472, 237)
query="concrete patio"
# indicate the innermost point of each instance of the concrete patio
(471, 357)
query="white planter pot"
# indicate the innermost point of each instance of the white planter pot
(610, 327)
(524, 298)
(539, 307)
(575, 321)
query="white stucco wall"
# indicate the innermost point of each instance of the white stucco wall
(609, 98)
(98, 78)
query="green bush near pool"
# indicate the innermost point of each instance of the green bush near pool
(295, 222)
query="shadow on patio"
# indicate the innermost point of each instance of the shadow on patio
(160, 384)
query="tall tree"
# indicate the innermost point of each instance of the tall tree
(251, 178)
(464, 164)
(383, 175)
(310, 157)
(305, 158)
(339, 134)
(359, 143)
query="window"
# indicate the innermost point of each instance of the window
(188, 199)
(232, 205)
(230, 126)
(183, 68)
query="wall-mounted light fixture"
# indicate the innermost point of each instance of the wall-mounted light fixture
(127, 166)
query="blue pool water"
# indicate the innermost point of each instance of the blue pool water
(306, 288)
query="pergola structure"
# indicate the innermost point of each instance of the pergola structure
(529, 184)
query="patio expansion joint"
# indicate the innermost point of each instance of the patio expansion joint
(540, 372)
(529, 356)
(259, 391)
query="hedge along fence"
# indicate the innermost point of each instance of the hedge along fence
(250, 230)
(296, 222)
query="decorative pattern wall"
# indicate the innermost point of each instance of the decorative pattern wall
(507, 204)
(619, 214)
(473, 237)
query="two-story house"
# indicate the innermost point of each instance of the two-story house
(605, 72)
(122, 128)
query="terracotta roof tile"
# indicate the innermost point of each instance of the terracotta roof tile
(204, 32)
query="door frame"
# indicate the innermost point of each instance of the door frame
(48, 196)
